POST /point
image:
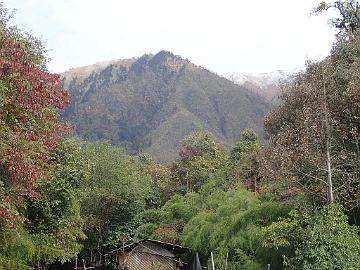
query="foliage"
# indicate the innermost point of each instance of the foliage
(319, 116)
(53, 227)
(167, 223)
(319, 239)
(349, 21)
(113, 194)
(55, 222)
(39, 213)
(29, 129)
(17, 248)
(161, 186)
(218, 220)
(244, 160)
(230, 225)
(200, 157)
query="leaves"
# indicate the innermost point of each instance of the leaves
(116, 190)
(319, 239)
(319, 115)
(200, 156)
(349, 21)
(29, 96)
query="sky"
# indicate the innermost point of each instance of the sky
(225, 36)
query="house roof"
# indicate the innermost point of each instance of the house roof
(169, 246)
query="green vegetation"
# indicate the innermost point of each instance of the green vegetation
(292, 203)
(317, 238)
(116, 190)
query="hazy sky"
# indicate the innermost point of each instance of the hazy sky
(225, 36)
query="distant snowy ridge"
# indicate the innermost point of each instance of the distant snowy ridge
(264, 84)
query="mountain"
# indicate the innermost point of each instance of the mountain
(151, 103)
(267, 85)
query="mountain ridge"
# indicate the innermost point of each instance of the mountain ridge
(152, 102)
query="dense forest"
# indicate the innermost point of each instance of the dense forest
(292, 202)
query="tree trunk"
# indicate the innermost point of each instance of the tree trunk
(328, 146)
(329, 172)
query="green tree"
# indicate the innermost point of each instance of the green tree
(56, 225)
(200, 157)
(115, 192)
(229, 224)
(161, 185)
(53, 228)
(167, 223)
(244, 160)
(317, 239)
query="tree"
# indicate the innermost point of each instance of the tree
(29, 129)
(53, 227)
(318, 239)
(200, 156)
(244, 160)
(229, 224)
(161, 185)
(314, 134)
(55, 223)
(218, 220)
(349, 21)
(115, 192)
(30, 133)
(167, 223)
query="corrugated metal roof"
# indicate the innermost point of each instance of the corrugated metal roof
(169, 246)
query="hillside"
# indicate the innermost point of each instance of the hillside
(152, 102)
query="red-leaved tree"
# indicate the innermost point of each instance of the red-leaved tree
(29, 129)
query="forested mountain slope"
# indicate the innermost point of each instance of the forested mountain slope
(153, 102)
